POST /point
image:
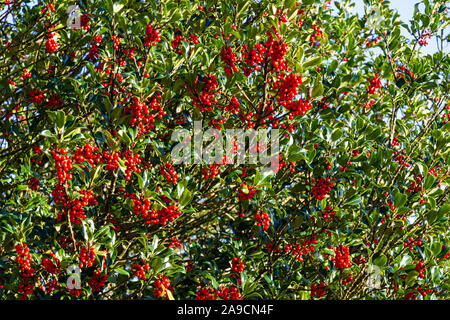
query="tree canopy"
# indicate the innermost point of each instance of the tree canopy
(92, 205)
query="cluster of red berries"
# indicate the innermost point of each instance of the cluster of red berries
(65, 242)
(140, 271)
(411, 243)
(175, 243)
(253, 57)
(347, 280)
(140, 115)
(36, 96)
(193, 38)
(342, 258)
(97, 282)
(204, 99)
(211, 172)
(131, 162)
(76, 292)
(375, 84)
(425, 291)
(48, 8)
(177, 41)
(63, 164)
(37, 149)
(318, 290)
(298, 107)
(246, 192)
(75, 208)
(369, 104)
(415, 185)
(87, 256)
(359, 260)
(229, 58)
(436, 170)
(206, 294)
(155, 105)
(224, 293)
(287, 88)
(25, 288)
(420, 268)
(49, 265)
(189, 265)
(51, 44)
(84, 21)
(317, 34)
(328, 213)
(151, 36)
(117, 42)
(400, 159)
(322, 187)
(51, 285)
(93, 52)
(164, 215)
(168, 171)
(237, 266)
(262, 219)
(423, 38)
(281, 16)
(26, 74)
(411, 295)
(276, 50)
(141, 207)
(229, 293)
(54, 101)
(210, 82)
(233, 106)
(111, 160)
(298, 250)
(162, 285)
(24, 259)
(59, 195)
(34, 183)
(87, 153)
(282, 163)
(395, 142)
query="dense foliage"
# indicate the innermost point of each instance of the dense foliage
(358, 207)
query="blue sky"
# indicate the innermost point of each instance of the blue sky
(406, 10)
